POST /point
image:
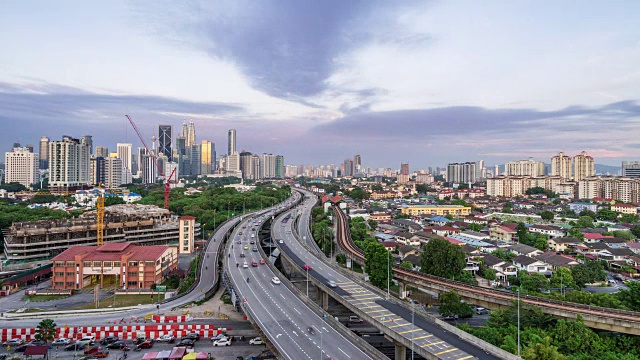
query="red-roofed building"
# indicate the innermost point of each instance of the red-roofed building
(333, 199)
(592, 237)
(133, 266)
(454, 241)
(625, 208)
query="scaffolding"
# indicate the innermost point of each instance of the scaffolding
(100, 219)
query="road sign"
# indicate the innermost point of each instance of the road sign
(161, 288)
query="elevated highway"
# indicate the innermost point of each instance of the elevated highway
(593, 316)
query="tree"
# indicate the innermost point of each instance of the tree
(46, 330)
(13, 187)
(42, 198)
(636, 231)
(541, 244)
(113, 200)
(606, 214)
(451, 304)
(407, 264)
(562, 277)
(584, 222)
(631, 297)
(541, 349)
(376, 187)
(546, 215)
(475, 227)
(534, 282)
(441, 258)
(588, 213)
(587, 273)
(377, 261)
(629, 218)
(372, 224)
(521, 232)
(341, 258)
(401, 216)
(623, 234)
(358, 194)
(575, 233)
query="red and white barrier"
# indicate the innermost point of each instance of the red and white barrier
(127, 332)
(171, 319)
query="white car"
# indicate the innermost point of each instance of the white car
(275, 280)
(222, 342)
(245, 265)
(281, 241)
(332, 283)
(166, 338)
(90, 338)
(61, 341)
(256, 341)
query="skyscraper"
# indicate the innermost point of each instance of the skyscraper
(191, 135)
(267, 166)
(561, 166)
(528, 167)
(404, 169)
(208, 157)
(462, 173)
(102, 151)
(112, 172)
(348, 167)
(97, 171)
(246, 165)
(88, 140)
(125, 153)
(147, 166)
(631, 169)
(231, 147)
(21, 166)
(164, 141)
(583, 166)
(44, 153)
(279, 170)
(195, 156)
(68, 163)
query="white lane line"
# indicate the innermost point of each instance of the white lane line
(297, 311)
(347, 355)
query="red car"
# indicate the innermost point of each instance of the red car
(261, 261)
(92, 350)
(144, 345)
(307, 267)
(254, 264)
(101, 354)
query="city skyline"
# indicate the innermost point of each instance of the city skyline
(432, 83)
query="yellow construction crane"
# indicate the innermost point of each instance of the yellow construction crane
(100, 218)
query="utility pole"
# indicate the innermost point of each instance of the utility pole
(518, 291)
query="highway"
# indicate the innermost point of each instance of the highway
(208, 277)
(424, 334)
(281, 315)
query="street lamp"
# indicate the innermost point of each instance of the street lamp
(307, 268)
(243, 200)
(412, 325)
(203, 225)
(313, 326)
(518, 291)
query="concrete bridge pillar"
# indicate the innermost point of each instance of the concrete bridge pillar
(325, 301)
(401, 351)
(403, 289)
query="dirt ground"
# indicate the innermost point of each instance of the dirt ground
(214, 308)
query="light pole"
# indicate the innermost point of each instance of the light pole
(214, 219)
(388, 280)
(244, 198)
(307, 268)
(412, 325)
(203, 225)
(518, 291)
(313, 326)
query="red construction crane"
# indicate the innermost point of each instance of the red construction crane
(167, 180)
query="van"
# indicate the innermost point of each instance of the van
(611, 282)
(354, 319)
(481, 310)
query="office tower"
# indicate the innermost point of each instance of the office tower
(113, 172)
(631, 169)
(496, 171)
(231, 146)
(164, 141)
(480, 170)
(181, 157)
(21, 166)
(97, 170)
(267, 166)
(583, 166)
(255, 167)
(462, 173)
(246, 164)
(561, 166)
(44, 153)
(232, 163)
(404, 169)
(195, 159)
(125, 152)
(191, 134)
(148, 169)
(208, 157)
(68, 163)
(528, 167)
(279, 167)
(357, 163)
(29, 147)
(347, 167)
(88, 140)
(102, 151)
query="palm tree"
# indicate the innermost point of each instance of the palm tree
(46, 331)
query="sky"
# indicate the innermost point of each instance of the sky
(424, 82)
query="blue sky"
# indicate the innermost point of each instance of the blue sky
(428, 82)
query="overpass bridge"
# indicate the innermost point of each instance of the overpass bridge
(593, 316)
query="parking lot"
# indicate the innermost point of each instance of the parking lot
(237, 348)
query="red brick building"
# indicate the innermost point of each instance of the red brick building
(132, 266)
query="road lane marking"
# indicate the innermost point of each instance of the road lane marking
(297, 311)
(375, 311)
(422, 337)
(446, 351)
(395, 326)
(466, 357)
(408, 331)
(347, 355)
(433, 343)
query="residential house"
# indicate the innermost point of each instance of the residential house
(380, 217)
(495, 263)
(407, 238)
(562, 244)
(594, 237)
(471, 250)
(384, 237)
(530, 264)
(624, 208)
(388, 229)
(444, 230)
(526, 250)
(615, 243)
(414, 260)
(578, 207)
(611, 254)
(473, 265)
(438, 220)
(476, 220)
(406, 250)
(406, 224)
(501, 232)
(389, 245)
(475, 235)
(634, 246)
(551, 231)
(556, 261)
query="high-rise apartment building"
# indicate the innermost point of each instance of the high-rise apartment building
(21, 166)
(44, 153)
(88, 140)
(279, 167)
(404, 169)
(231, 146)
(125, 153)
(631, 169)
(68, 163)
(148, 168)
(583, 166)
(462, 173)
(246, 164)
(102, 151)
(255, 167)
(164, 141)
(112, 172)
(348, 168)
(208, 157)
(97, 170)
(357, 163)
(561, 166)
(267, 166)
(232, 163)
(528, 167)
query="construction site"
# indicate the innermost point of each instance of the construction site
(133, 223)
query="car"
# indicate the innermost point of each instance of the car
(255, 249)
(88, 357)
(245, 265)
(262, 262)
(101, 354)
(75, 347)
(109, 339)
(252, 242)
(61, 341)
(144, 345)
(332, 283)
(254, 264)
(89, 338)
(187, 343)
(83, 342)
(118, 345)
(481, 311)
(191, 336)
(166, 338)
(307, 267)
(13, 342)
(451, 317)
(256, 341)
(354, 319)
(38, 343)
(275, 280)
(266, 354)
(222, 342)
(218, 337)
(246, 247)
(240, 233)
(22, 348)
(238, 241)
(242, 255)
(281, 241)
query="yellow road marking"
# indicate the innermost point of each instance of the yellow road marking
(344, 283)
(408, 331)
(371, 312)
(383, 315)
(433, 343)
(368, 307)
(395, 326)
(369, 298)
(466, 357)
(447, 351)
(362, 303)
(422, 337)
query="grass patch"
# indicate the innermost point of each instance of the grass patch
(226, 298)
(41, 298)
(122, 301)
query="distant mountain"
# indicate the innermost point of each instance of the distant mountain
(604, 169)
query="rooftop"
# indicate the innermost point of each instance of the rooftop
(112, 252)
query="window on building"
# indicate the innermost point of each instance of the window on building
(149, 263)
(69, 274)
(86, 264)
(158, 262)
(59, 263)
(96, 264)
(59, 274)
(59, 283)
(186, 242)
(186, 248)
(70, 283)
(186, 229)
(186, 236)
(132, 273)
(116, 264)
(132, 283)
(106, 264)
(71, 263)
(133, 263)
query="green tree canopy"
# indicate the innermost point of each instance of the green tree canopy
(378, 264)
(587, 273)
(629, 218)
(451, 304)
(13, 187)
(623, 234)
(606, 214)
(584, 222)
(546, 215)
(441, 258)
(534, 282)
(46, 330)
(113, 200)
(631, 297)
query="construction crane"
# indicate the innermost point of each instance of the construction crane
(167, 180)
(100, 218)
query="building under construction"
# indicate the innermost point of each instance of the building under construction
(133, 223)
